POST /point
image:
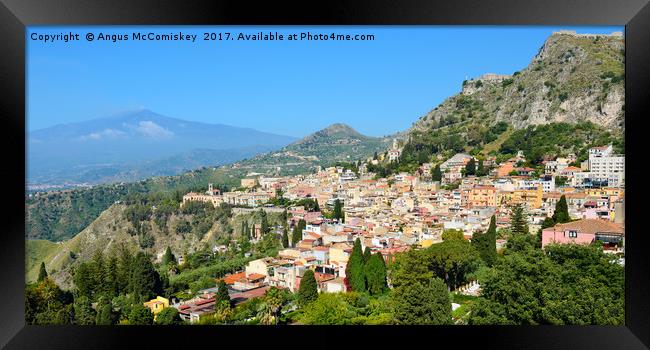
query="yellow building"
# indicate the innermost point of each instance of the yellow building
(530, 198)
(200, 197)
(340, 252)
(248, 183)
(428, 243)
(157, 305)
(602, 192)
(479, 196)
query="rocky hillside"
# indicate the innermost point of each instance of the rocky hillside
(573, 78)
(336, 143)
(185, 231)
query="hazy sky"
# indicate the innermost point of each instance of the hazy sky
(286, 87)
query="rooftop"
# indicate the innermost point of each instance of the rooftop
(590, 226)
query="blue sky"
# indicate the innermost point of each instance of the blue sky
(292, 88)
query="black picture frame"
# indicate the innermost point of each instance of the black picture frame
(15, 15)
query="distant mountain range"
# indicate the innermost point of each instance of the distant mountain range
(135, 145)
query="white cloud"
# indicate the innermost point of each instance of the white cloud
(106, 133)
(153, 130)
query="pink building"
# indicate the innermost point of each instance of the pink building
(584, 231)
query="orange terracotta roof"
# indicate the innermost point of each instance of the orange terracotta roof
(231, 279)
(255, 276)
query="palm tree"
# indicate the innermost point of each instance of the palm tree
(271, 309)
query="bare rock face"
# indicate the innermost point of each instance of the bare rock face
(573, 78)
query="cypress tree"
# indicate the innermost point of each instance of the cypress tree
(354, 269)
(222, 292)
(518, 221)
(316, 206)
(338, 209)
(265, 223)
(98, 269)
(296, 236)
(285, 238)
(489, 252)
(366, 255)
(436, 173)
(145, 280)
(83, 280)
(479, 242)
(110, 277)
(561, 214)
(375, 270)
(308, 291)
(42, 273)
(480, 170)
(124, 269)
(470, 168)
(168, 257)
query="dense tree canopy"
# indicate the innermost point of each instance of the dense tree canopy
(452, 234)
(168, 316)
(46, 303)
(418, 297)
(140, 315)
(569, 284)
(350, 308)
(452, 261)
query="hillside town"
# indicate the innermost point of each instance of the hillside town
(411, 211)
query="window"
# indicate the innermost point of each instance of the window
(573, 234)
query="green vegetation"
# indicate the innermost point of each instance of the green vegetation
(42, 274)
(452, 234)
(308, 291)
(518, 221)
(485, 243)
(355, 276)
(168, 316)
(561, 214)
(46, 303)
(338, 210)
(350, 308)
(569, 284)
(557, 139)
(375, 271)
(418, 297)
(222, 292)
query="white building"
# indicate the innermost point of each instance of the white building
(458, 160)
(606, 166)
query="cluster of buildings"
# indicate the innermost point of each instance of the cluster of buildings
(412, 209)
(391, 215)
